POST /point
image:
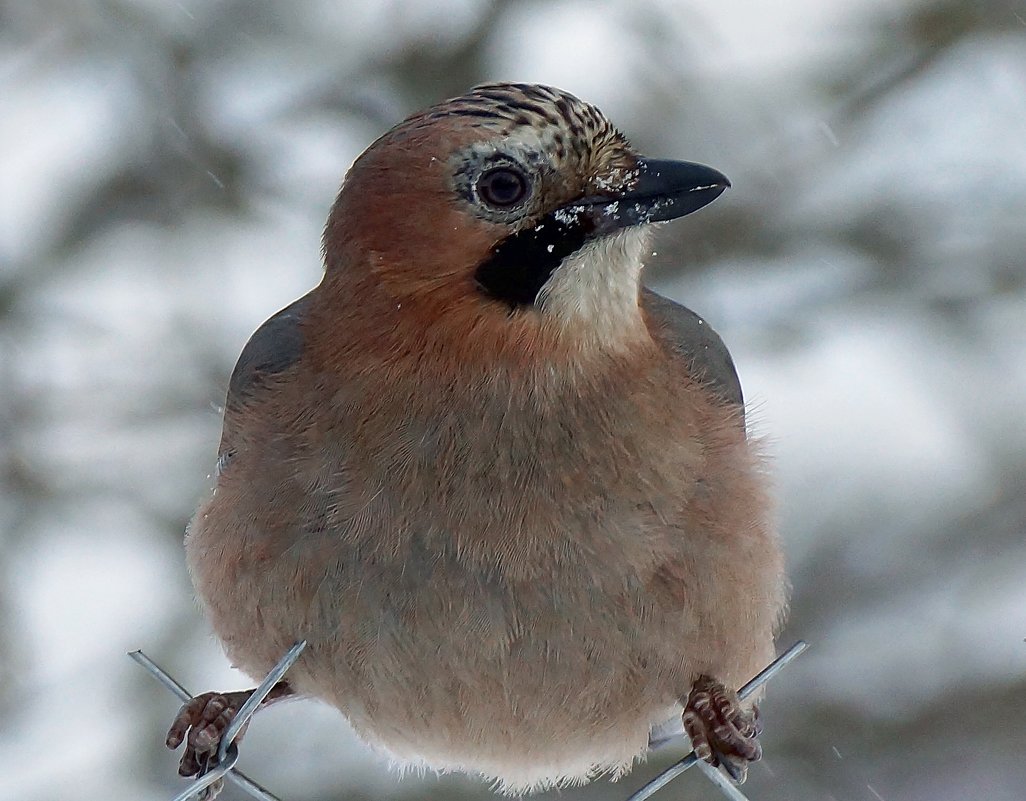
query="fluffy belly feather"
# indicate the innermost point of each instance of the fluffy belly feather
(531, 680)
(477, 621)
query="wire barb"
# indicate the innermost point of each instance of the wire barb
(227, 750)
(675, 770)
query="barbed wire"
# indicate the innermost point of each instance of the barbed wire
(714, 775)
(228, 751)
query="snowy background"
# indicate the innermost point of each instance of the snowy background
(165, 171)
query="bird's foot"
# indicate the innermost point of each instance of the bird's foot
(202, 722)
(721, 732)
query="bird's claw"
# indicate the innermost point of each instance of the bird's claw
(721, 732)
(200, 724)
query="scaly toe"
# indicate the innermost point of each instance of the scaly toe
(721, 732)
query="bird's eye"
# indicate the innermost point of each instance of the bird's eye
(502, 187)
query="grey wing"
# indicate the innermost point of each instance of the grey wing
(274, 347)
(694, 339)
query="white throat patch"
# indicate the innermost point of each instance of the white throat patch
(595, 290)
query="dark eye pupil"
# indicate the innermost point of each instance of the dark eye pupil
(502, 187)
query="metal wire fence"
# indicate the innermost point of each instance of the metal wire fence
(223, 764)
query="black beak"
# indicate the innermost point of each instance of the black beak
(661, 190)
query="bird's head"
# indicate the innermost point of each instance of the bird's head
(514, 202)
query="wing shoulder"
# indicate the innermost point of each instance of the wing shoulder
(693, 339)
(274, 347)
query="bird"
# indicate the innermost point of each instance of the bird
(505, 492)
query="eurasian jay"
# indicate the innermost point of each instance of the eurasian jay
(503, 491)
